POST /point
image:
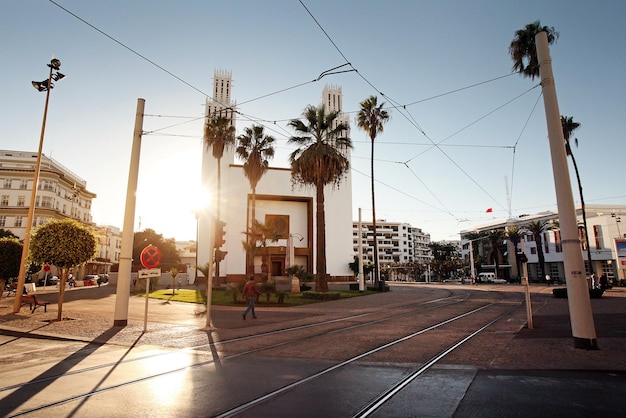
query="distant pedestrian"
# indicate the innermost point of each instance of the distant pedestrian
(548, 279)
(250, 291)
(594, 281)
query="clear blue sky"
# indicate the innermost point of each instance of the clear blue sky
(412, 52)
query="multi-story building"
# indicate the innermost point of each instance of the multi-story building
(603, 228)
(398, 243)
(290, 209)
(60, 192)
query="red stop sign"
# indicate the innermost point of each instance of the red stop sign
(150, 257)
(46, 268)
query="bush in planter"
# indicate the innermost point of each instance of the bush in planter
(562, 293)
(321, 295)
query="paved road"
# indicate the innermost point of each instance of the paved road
(536, 373)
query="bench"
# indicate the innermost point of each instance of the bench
(34, 303)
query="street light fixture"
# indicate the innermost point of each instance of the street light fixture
(46, 86)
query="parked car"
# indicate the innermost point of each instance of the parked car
(50, 281)
(103, 278)
(496, 280)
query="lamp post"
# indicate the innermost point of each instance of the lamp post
(46, 86)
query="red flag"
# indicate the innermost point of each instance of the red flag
(489, 210)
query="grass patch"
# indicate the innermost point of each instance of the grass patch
(223, 298)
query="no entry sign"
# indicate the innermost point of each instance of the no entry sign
(150, 257)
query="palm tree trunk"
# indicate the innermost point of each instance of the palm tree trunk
(376, 269)
(582, 206)
(250, 253)
(540, 256)
(321, 284)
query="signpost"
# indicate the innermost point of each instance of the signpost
(150, 259)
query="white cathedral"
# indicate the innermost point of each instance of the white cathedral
(290, 208)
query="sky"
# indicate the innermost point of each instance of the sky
(465, 134)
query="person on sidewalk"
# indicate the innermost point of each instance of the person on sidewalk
(250, 291)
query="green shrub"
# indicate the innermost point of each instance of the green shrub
(321, 295)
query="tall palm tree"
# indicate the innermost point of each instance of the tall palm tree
(523, 50)
(371, 119)
(219, 135)
(569, 126)
(318, 161)
(514, 235)
(537, 228)
(255, 149)
(495, 237)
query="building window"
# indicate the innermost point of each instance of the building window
(557, 241)
(5, 200)
(533, 250)
(47, 185)
(21, 201)
(23, 184)
(18, 221)
(3, 221)
(597, 232)
(7, 183)
(46, 202)
(546, 248)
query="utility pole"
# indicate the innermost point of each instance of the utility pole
(581, 316)
(126, 253)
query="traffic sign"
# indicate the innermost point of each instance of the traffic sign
(46, 268)
(148, 273)
(150, 257)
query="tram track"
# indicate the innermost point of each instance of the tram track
(273, 341)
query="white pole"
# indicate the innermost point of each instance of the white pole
(360, 237)
(209, 281)
(126, 252)
(583, 328)
(472, 271)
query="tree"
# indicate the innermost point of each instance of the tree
(173, 273)
(495, 237)
(523, 50)
(10, 260)
(319, 161)
(219, 135)
(66, 244)
(475, 238)
(445, 259)
(259, 234)
(371, 119)
(256, 149)
(569, 126)
(514, 235)
(537, 228)
(5, 233)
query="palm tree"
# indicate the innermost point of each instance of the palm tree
(219, 135)
(537, 228)
(319, 161)
(569, 126)
(523, 50)
(371, 119)
(256, 149)
(514, 235)
(495, 237)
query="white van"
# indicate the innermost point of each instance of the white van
(489, 278)
(485, 277)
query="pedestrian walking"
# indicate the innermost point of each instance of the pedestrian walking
(250, 291)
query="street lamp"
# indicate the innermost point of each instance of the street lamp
(46, 86)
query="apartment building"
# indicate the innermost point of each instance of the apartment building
(398, 243)
(606, 243)
(60, 192)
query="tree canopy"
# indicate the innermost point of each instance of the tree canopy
(167, 247)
